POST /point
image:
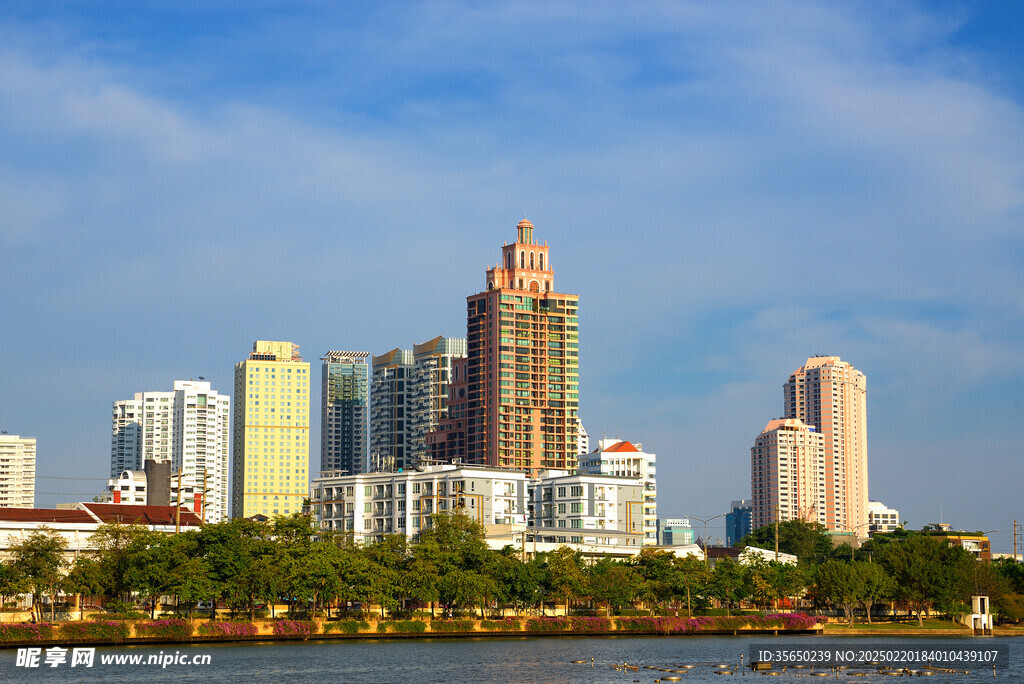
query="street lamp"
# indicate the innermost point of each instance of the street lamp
(706, 521)
(854, 530)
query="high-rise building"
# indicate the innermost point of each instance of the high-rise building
(408, 398)
(345, 410)
(270, 434)
(830, 395)
(624, 459)
(738, 521)
(523, 365)
(787, 473)
(17, 471)
(186, 428)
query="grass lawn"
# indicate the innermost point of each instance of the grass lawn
(929, 623)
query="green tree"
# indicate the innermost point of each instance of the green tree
(39, 560)
(927, 572)
(566, 574)
(727, 583)
(690, 580)
(118, 548)
(12, 582)
(245, 562)
(805, 540)
(84, 579)
(613, 584)
(656, 571)
(838, 583)
(875, 585)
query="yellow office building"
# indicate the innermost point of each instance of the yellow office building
(270, 432)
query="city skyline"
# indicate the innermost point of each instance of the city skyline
(730, 192)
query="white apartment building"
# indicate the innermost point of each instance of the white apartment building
(371, 505)
(623, 459)
(17, 471)
(881, 518)
(596, 511)
(186, 427)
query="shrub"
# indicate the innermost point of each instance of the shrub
(106, 630)
(164, 629)
(131, 615)
(402, 627)
(227, 629)
(346, 626)
(451, 626)
(793, 620)
(26, 631)
(547, 624)
(295, 627)
(503, 625)
(586, 623)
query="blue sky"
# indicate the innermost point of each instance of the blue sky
(731, 187)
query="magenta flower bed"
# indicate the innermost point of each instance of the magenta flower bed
(227, 629)
(295, 627)
(547, 624)
(106, 630)
(164, 629)
(582, 623)
(25, 631)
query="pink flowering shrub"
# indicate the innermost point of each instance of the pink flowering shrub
(295, 627)
(451, 626)
(104, 630)
(582, 623)
(227, 629)
(547, 624)
(164, 629)
(25, 631)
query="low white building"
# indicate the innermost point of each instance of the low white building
(603, 510)
(624, 459)
(596, 513)
(77, 525)
(881, 518)
(371, 505)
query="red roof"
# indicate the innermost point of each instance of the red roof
(622, 446)
(44, 515)
(140, 515)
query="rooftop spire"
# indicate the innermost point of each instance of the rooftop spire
(525, 231)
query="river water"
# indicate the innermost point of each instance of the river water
(515, 659)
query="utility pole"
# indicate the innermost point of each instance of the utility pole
(177, 507)
(1014, 540)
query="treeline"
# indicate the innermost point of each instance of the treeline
(248, 565)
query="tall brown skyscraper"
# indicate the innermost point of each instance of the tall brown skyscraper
(521, 385)
(829, 394)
